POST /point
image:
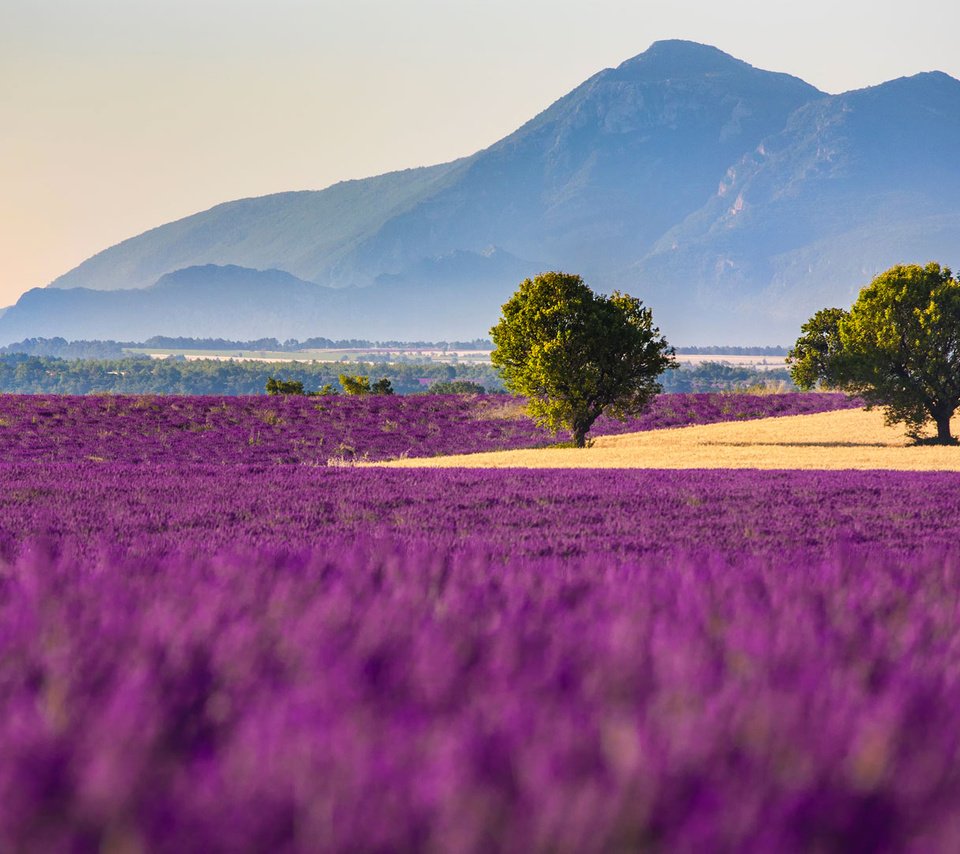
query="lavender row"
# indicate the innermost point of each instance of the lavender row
(312, 431)
(394, 698)
(151, 510)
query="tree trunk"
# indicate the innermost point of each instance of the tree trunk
(580, 427)
(943, 429)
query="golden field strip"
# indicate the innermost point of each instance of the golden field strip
(849, 439)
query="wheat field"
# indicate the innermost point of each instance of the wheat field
(849, 439)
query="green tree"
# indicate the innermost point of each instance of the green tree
(278, 386)
(576, 355)
(355, 384)
(456, 387)
(815, 358)
(898, 347)
(382, 386)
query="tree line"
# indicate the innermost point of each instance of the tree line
(24, 374)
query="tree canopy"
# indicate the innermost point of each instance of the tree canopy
(897, 347)
(576, 355)
(280, 386)
(361, 385)
(456, 387)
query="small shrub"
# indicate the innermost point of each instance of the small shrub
(355, 384)
(456, 387)
(278, 386)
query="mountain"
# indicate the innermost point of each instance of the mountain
(734, 201)
(242, 304)
(852, 185)
(238, 297)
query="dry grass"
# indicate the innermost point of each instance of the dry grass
(506, 411)
(850, 439)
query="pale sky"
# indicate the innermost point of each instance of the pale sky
(120, 115)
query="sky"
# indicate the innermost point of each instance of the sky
(120, 115)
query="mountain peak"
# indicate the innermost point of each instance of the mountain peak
(929, 80)
(684, 48)
(926, 96)
(678, 56)
(678, 60)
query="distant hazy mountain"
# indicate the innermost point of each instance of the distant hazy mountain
(852, 185)
(732, 200)
(241, 304)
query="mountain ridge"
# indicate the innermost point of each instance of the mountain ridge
(721, 194)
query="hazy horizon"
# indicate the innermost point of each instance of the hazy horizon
(123, 116)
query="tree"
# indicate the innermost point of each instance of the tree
(897, 347)
(456, 387)
(360, 385)
(357, 384)
(815, 357)
(277, 386)
(576, 355)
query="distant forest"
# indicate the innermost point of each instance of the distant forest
(27, 374)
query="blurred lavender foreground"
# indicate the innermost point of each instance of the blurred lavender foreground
(275, 656)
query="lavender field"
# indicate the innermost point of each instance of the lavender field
(92, 511)
(396, 698)
(270, 653)
(315, 431)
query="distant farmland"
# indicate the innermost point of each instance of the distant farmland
(390, 355)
